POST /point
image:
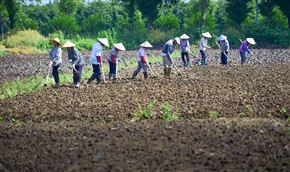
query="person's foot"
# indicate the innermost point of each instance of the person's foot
(77, 85)
(99, 81)
(56, 85)
(90, 81)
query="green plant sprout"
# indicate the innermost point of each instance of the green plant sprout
(144, 113)
(241, 115)
(213, 114)
(167, 112)
(283, 110)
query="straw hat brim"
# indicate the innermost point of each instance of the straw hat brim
(120, 46)
(55, 39)
(146, 44)
(184, 36)
(177, 40)
(207, 35)
(221, 38)
(104, 41)
(68, 44)
(251, 41)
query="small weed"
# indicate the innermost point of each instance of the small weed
(1, 120)
(283, 110)
(213, 114)
(145, 113)
(288, 119)
(241, 115)
(167, 113)
(250, 110)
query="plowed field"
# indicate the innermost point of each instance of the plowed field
(231, 118)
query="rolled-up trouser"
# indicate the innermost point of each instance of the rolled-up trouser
(55, 74)
(224, 59)
(243, 57)
(77, 76)
(97, 72)
(203, 57)
(166, 62)
(185, 61)
(141, 65)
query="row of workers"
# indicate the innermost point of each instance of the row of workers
(77, 60)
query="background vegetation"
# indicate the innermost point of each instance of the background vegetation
(133, 21)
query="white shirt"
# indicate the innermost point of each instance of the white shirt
(203, 44)
(97, 50)
(141, 53)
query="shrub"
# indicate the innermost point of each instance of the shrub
(25, 38)
(167, 112)
(145, 113)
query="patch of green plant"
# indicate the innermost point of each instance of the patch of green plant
(288, 119)
(1, 120)
(168, 115)
(283, 110)
(144, 113)
(250, 110)
(213, 114)
(241, 115)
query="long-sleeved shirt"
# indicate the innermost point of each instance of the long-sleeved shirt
(75, 56)
(168, 49)
(185, 47)
(55, 55)
(142, 55)
(203, 44)
(225, 46)
(244, 47)
(97, 50)
(113, 55)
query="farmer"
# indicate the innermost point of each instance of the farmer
(224, 45)
(96, 59)
(244, 47)
(76, 60)
(56, 60)
(113, 59)
(142, 60)
(185, 47)
(167, 50)
(203, 46)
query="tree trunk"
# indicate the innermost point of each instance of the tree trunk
(203, 15)
(132, 4)
(257, 12)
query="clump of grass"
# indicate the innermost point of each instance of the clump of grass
(168, 115)
(241, 115)
(213, 114)
(1, 120)
(144, 113)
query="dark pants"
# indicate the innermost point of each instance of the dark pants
(185, 61)
(243, 57)
(55, 73)
(97, 72)
(113, 67)
(203, 57)
(77, 75)
(224, 58)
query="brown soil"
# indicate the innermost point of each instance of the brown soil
(92, 128)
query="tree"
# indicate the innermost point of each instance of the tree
(266, 8)
(237, 10)
(204, 5)
(69, 6)
(12, 7)
(284, 6)
(149, 10)
(65, 23)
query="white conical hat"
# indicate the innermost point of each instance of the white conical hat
(222, 37)
(55, 39)
(104, 41)
(251, 41)
(68, 44)
(177, 40)
(120, 46)
(146, 44)
(207, 35)
(184, 36)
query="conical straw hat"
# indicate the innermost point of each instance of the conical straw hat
(104, 41)
(222, 37)
(207, 35)
(55, 39)
(120, 46)
(146, 44)
(251, 41)
(184, 36)
(177, 40)
(68, 44)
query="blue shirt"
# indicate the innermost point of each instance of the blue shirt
(55, 55)
(75, 56)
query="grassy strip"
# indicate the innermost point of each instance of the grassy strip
(35, 83)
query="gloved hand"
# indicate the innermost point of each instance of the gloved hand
(50, 63)
(73, 65)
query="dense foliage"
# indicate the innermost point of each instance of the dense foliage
(133, 21)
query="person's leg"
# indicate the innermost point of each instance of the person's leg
(111, 69)
(98, 73)
(183, 59)
(243, 57)
(55, 75)
(78, 75)
(203, 57)
(145, 69)
(226, 57)
(187, 59)
(136, 71)
(94, 75)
